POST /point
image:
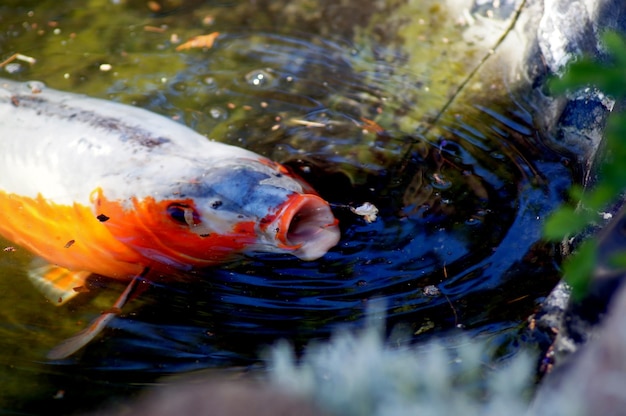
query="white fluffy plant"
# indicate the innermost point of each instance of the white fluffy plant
(359, 374)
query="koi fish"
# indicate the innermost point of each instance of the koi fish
(96, 187)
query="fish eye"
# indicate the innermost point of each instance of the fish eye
(182, 214)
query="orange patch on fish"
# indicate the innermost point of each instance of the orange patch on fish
(115, 241)
(164, 243)
(45, 228)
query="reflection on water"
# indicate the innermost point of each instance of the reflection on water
(461, 202)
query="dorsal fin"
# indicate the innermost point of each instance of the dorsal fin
(57, 283)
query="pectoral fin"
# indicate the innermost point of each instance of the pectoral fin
(56, 283)
(82, 338)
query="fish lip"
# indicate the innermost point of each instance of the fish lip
(306, 227)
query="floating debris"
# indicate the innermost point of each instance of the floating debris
(203, 41)
(155, 29)
(367, 210)
(307, 123)
(18, 57)
(371, 126)
(154, 6)
(431, 291)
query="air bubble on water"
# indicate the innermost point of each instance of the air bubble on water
(217, 113)
(259, 78)
(210, 82)
(497, 156)
(472, 221)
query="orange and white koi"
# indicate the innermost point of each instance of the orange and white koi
(97, 187)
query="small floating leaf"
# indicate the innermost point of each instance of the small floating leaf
(367, 210)
(204, 41)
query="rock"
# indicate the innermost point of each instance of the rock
(593, 380)
(577, 322)
(216, 397)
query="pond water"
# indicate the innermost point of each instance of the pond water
(356, 98)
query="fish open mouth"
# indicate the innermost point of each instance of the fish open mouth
(307, 227)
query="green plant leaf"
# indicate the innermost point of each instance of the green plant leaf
(618, 260)
(598, 198)
(616, 45)
(563, 222)
(578, 268)
(608, 76)
(578, 75)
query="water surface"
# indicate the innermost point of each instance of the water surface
(351, 97)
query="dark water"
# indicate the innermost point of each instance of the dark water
(462, 197)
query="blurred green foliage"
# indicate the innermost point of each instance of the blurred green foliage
(609, 76)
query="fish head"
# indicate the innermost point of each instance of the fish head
(239, 206)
